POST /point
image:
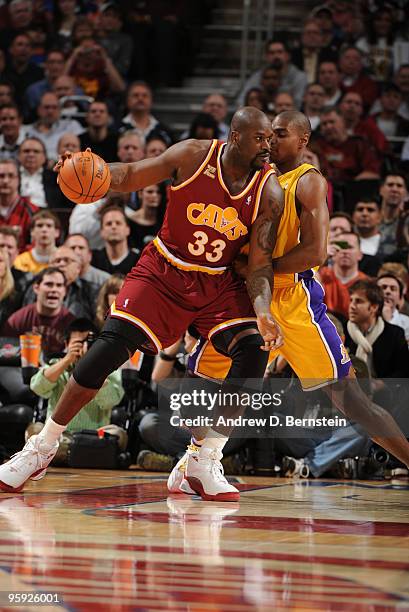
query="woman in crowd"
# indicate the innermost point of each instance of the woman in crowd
(9, 298)
(106, 296)
(146, 221)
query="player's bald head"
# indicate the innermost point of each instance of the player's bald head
(293, 120)
(247, 118)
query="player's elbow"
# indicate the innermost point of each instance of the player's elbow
(318, 257)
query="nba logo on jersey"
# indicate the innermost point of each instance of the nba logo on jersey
(126, 303)
(210, 171)
(248, 200)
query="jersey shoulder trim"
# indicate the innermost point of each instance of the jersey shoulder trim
(200, 168)
(259, 193)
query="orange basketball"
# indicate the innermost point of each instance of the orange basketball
(84, 178)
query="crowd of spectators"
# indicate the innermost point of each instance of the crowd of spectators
(83, 74)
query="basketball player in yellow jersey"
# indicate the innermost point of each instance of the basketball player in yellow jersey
(312, 345)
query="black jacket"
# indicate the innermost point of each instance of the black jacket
(390, 352)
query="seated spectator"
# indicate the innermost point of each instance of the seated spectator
(130, 147)
(106, 297)
(155, 146)
(329, 78)
(344, 272)
(6, 93)
(81, 295)
(50, 127)
(312, 52)
(15, 210)
(377, 44)
(314, 102)
(392, 291)
(203, 127)
(47, 315)
(216, 105)
(388, 119)
(9, 298)
(292, 79)
(116, 256)
(342, 157)
(65, 89)
(367, 218)
(53, 68)
(353, 77)
(116, 43)
(45, 231)
(20, 70)
(351, 109)
(394, 194)
(9, 237)
(49, 382)
(283, 101)
(139, 102)
(402, 81)
(270, 83)
(94, 71)
(145, 222)
(65, 16)
(98, 135)
(37, 182)
(68, 142)
(341, 223)
(399, 271)
(380, 344)
(12, 132)
(18, 17)
(255, 97)
(80, 245)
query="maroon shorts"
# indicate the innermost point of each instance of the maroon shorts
(163, 301)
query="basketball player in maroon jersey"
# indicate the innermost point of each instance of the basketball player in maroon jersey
(221, 193)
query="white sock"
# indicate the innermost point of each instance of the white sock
(51, 432)
(213, 441)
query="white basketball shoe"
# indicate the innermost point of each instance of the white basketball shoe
(205, 475)
(176, 481)
(31, 462)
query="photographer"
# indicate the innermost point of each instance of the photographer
(49, 382)
(93, 70)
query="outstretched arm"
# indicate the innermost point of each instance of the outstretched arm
(180, 159)
(260, 270)
(312, 248)
(136, 175)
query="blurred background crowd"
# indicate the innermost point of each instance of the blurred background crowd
(77, 74)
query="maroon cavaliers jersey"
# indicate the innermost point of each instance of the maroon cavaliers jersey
(204, 226)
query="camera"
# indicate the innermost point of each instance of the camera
(91, 339)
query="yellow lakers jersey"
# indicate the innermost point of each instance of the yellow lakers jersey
(288, 235)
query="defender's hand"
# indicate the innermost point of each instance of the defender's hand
(271, 332)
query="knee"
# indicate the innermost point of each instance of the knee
(248, 360)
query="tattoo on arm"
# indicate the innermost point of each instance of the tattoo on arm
(260, 277)
(119, 173)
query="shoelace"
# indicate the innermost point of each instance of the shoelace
(18, 460)
(216, 466)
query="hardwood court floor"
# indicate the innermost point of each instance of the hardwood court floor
(115, 541)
